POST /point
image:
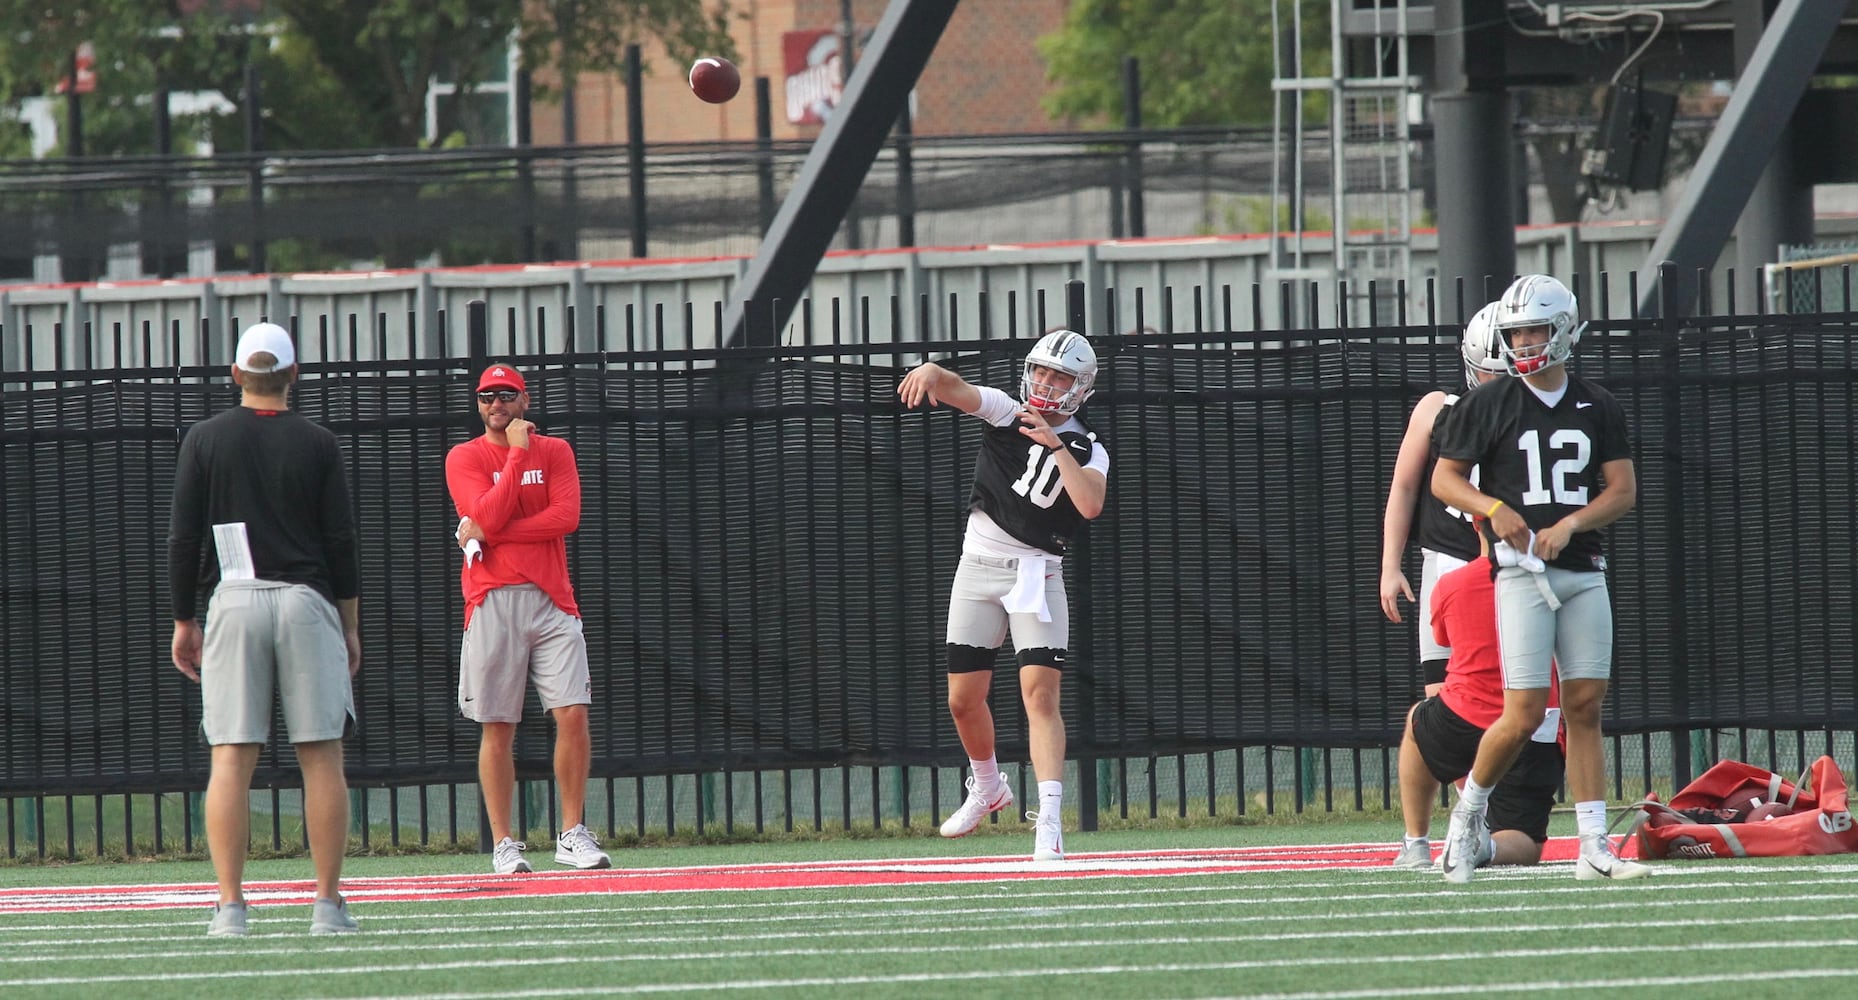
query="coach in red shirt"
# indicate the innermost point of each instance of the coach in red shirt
(518, 495)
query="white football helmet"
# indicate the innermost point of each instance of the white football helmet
(1481, 349)
(1059, 350)
(1538, 300)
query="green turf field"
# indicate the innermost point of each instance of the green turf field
(1697, 930)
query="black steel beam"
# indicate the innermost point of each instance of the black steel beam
(1471, 112)
(828, 182)
(1374, 17)
(1780, 208)
(1751, 127)
(1693, 45)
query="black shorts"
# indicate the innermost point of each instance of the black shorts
(1522, 800)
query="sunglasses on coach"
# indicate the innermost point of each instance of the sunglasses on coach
(502, 395)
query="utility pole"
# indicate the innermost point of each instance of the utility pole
(847, 28)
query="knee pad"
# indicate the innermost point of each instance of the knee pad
(1432, 672)
(1042, 656)
(968, 659)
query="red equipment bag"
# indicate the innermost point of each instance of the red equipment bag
(1712, 817)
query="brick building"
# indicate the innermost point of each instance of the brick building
(985, 77)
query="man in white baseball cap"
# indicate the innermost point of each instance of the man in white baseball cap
(264, 348)
(262, 537)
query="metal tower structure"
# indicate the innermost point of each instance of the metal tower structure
(1361, 160)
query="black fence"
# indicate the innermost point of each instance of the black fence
(768, 539)
(323, 210)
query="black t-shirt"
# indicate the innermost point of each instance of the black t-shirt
(1439, 527)
(1544, 463)
(1016, 483)
(279, 474)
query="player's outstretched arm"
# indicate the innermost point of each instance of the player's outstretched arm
(935, 384)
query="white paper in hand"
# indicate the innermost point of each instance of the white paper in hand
(472, 550)
(1508, 556)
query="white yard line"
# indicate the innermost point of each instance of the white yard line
(1786, 944)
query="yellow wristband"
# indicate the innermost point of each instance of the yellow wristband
(1492, 512)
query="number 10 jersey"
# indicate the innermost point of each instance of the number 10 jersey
(1016, 480)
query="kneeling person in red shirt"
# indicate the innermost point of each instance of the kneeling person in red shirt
(1443, 731)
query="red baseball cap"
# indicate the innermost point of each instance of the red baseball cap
(502, 377)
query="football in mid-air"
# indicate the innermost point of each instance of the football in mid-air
(714, 79)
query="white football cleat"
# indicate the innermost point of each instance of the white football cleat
(976, 807)
(1468, 832)
(1598, 860)
(1047, 838)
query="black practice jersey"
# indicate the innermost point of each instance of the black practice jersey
(281, 476)
(1439, 527)
(1544, 463)
(1016, 483)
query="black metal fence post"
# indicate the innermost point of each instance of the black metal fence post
(477, 346)
(1132, 120)
(525, 170)
(255, 176)
(1670, 323)
(764, 155)
(635, 147)
(1089, 797)
(906, 180)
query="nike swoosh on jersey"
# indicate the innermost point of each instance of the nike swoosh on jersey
(1582, 406)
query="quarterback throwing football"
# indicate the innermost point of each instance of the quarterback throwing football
(1041, 474)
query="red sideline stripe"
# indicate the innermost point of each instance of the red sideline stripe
(714, 878)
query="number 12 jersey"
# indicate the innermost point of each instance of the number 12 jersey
(1543, 461)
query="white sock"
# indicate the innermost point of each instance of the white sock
(986, 773)
(1410, 841)
(1590, 818)
(1051, 801)
(1474, 797)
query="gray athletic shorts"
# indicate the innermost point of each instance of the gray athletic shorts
(1432, 566)
(268, 640)
(517, 634)
(1578, 638)
(977, 614)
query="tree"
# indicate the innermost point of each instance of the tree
(383, 53)
(581, 36)
(337, 74)
(1203, 62)
(137, 44)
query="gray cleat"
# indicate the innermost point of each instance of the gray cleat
(228, 920)
(1414, 857)
(330, 916)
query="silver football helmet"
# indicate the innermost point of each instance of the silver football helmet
(1481, 350)
(1538, 300)
(1064, 351)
